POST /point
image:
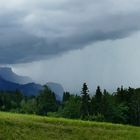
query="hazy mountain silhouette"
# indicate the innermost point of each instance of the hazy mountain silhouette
(9, 81)
(9, 75)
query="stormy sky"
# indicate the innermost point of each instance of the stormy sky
(72, 41)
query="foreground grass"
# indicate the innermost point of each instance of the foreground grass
(31, 127)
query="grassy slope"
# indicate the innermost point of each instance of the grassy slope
(30, 127)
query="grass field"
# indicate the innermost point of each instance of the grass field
(31, 127)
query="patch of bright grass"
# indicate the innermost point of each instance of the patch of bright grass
(32, 127)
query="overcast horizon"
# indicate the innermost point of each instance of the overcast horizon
(72, 42)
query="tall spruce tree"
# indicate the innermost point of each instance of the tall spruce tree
(46, 101)
(98, 100)
(121, 95)
(66, 96)
(85, 102)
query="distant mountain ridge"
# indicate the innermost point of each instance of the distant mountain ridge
(9, 75)
(30, 89)
(9, 81)
(57, 89)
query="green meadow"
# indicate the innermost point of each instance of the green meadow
(31, 127)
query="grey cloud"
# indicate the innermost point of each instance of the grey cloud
(44, 29)
(109, 64)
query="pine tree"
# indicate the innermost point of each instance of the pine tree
(98, 100)
(85, 102)
(106, 104)
(121, 95)
(66, 96)
(46, 101)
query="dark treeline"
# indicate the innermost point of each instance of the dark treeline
(122, 106)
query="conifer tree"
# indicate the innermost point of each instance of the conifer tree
(46, 101)
(85, 102)
(66, 96)
(98, 100)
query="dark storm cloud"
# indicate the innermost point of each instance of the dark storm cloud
(33, 30)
